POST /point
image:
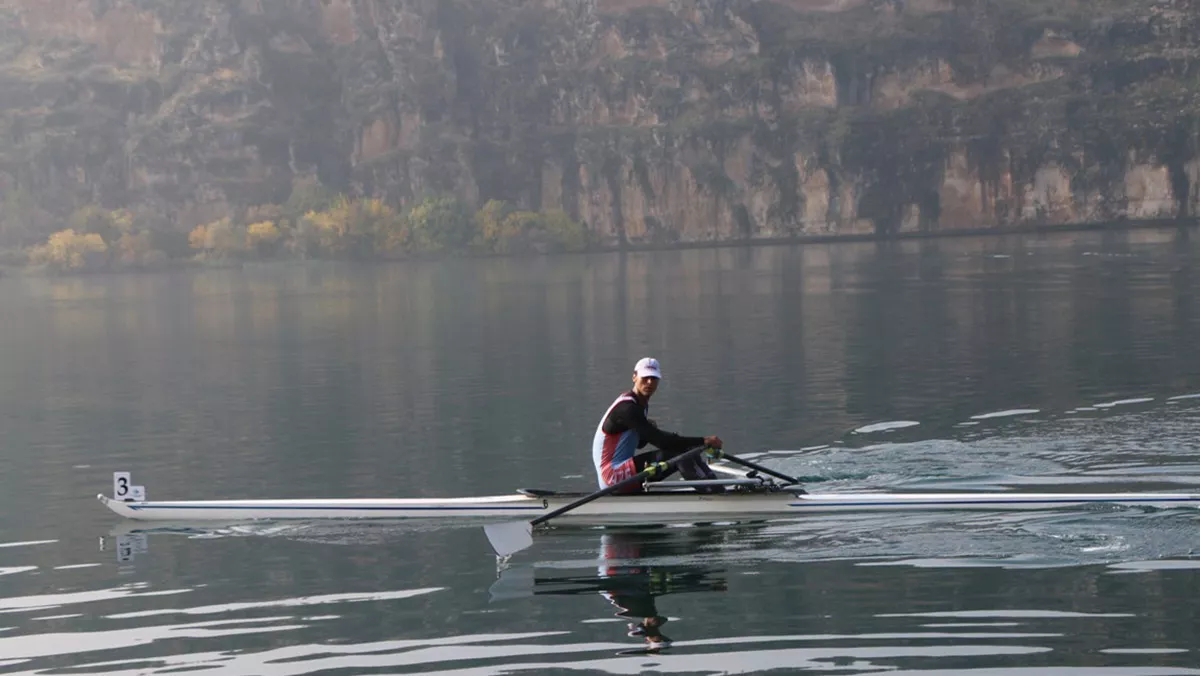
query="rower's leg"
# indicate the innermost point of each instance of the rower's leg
(696, 469)
(626, 470)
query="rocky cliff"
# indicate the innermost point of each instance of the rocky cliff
(652, 121)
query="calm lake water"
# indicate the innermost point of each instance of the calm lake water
(1057, 362)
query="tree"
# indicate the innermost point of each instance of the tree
(519, 232)
(268, 212)
(94, 220)
(489, 225)
(70, 251)
(219, 239)
(354, 228)
(562, 233)
(502, 230)
(437, 224)
(262, 237)
(136, 250)
(198, 237)
(306, 197)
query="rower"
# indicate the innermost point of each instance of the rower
(625, 428)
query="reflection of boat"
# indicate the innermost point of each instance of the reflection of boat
(333, 533)
(628, 577)
(668, 501)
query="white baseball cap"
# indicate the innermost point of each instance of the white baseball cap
(647, 366)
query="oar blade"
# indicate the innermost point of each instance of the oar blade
(509, 538)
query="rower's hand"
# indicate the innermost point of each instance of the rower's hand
(714, 442)
(656, 468)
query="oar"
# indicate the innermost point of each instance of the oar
(759, 468)
(510, 538)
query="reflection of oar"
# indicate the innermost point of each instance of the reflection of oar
(510, 538)
(759, 468)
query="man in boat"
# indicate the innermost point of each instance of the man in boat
(625, 429)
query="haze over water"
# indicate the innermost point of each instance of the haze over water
(1065, 362)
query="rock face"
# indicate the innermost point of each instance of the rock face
(653, 121)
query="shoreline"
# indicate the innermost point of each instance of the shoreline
(1182, 225)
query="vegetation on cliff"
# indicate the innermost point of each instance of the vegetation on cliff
(340, 229)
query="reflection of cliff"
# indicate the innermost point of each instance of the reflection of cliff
(652, 121)
(938, 306)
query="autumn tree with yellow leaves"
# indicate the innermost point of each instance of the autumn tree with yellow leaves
(100, 239)
(358, 229)
(503, 229)
(70, 251)
(221, 239)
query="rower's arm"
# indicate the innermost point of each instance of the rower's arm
(629, 415)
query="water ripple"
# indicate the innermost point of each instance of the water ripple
(281, 603)
(30, 543)
(889, 426)
(45, 601)
(1006, 414)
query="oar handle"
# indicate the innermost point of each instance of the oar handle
(608, 490)
(759, 468)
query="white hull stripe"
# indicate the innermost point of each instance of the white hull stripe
(1141, 499)
(139, 506)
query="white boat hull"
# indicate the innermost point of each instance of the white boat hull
(643, 508)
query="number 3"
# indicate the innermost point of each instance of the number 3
(122, 483)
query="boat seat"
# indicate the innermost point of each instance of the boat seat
(536, 492)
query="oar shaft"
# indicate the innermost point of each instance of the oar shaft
(609, 490)
(759, 468)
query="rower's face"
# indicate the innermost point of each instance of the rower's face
(645, 386)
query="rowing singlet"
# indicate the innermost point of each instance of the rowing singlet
(612, 454)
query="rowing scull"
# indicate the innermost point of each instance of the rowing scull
(665, 503)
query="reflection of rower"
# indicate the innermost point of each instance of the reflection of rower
(632, 586)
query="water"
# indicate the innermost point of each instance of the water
(1055, 362)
